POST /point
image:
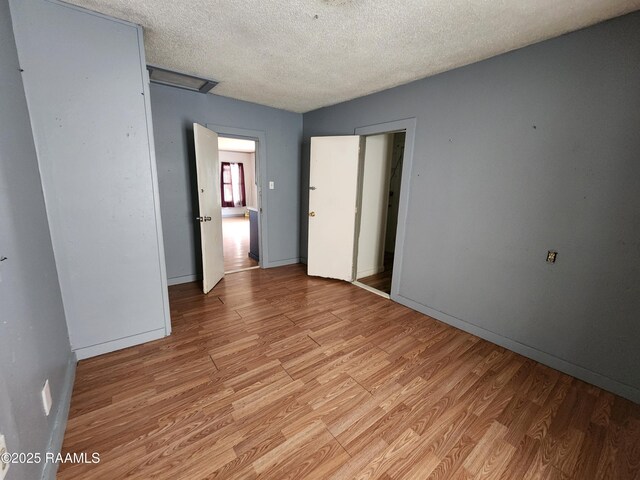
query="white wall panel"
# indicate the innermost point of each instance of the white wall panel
(85, 84)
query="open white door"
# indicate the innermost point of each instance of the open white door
(208, 173)
(333, 191)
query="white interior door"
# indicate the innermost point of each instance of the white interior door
(210, 205)
(333, 184)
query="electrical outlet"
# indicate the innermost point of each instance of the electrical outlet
(551, 256)
(4, 467)
(46, 398)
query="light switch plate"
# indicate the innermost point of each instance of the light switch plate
(272, 185)
(46, 398)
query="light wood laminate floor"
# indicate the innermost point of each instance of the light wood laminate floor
(278, 375)
(235, 239)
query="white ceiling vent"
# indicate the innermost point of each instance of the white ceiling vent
(179, 80)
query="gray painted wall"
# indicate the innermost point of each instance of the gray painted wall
(87, 96)
(534, 150)
(174, 112)
(34, 344)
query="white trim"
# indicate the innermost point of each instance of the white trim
(183, 279)
(164, 290)
(409, 126)
(119, 344)
(261, 176)
(95, 14)
(232, 215)
(370, 271)
(241, 270)
(548, 359)
(282, 263)
(371, 289)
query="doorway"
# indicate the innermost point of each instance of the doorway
(380, 184)
(239, 203)
(222, 184)
(345, 224)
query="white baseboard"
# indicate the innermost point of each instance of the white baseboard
(196, 278)
(238, 270)
(370, 271)
(282, 263)
(61, 416)
(597, 379)
(119, 344)
(371, 289)
(183, 279)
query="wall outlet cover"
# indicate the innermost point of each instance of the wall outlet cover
(4, 467)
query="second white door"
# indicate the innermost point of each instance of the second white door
(210, 205)
(333, 184)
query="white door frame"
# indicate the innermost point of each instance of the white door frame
(409, 126)
(260, 137)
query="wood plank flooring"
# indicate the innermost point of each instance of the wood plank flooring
(282, 376)
(235, 240)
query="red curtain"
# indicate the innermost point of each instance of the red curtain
(232, 191)
(226, 185)
(243, 196)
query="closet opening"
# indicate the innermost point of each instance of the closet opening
(358, 196)
(378, 206)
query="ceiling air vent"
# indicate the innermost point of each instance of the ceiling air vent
(170, 78)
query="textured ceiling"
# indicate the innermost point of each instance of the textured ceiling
(300, 55)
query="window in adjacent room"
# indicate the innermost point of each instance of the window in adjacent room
(232, 185)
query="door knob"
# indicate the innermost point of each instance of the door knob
(203, 219)
(312, 214)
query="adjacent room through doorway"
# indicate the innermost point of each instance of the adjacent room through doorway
(239, 198)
